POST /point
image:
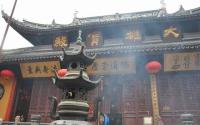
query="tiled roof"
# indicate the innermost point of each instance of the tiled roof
(42, 34)
(144, 16)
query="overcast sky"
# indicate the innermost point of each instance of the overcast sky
(44, 11)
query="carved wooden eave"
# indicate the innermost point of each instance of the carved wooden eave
(44, 52)
(147, 48)
(29, 54)
(41, 34)
(47, 53)
(27, 26)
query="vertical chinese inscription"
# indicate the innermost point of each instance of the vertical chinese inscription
(94, 39)
(176, 62)
(182, 61)
(39, 69)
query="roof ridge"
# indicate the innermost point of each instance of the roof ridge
(138, 12)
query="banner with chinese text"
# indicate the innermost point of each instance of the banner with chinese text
(182, 61)
(112, 65)
(39, 69)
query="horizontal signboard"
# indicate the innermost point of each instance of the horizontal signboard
(39, 69)
(182, 61)
(112, 65)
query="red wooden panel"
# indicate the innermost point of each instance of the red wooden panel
(184, 88)
(106, 105)
(129, 91)
(42, 89)
(92, 95)
(140, 121)
(169, 120)
(178, 95)
(115, 99)
(129, 121)
(129, 106)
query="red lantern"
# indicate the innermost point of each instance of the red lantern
(62, 72)
(153, 67)
(7, 73)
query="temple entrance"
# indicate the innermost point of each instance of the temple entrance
(127, 101)
(39, 103)
(23, 102)
(179, 95)
(112, 100)
(136, 101)
(115, 106)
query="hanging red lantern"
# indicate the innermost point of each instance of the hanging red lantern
(7, 73)
(62, 72)
(153, 67)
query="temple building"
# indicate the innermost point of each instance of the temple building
(123, 44)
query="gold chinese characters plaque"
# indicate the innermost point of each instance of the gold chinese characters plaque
(94, 39)
(182, 61)
(39, 69)
(112, 65)
(60, 41)
(133, 36)
(172, 34)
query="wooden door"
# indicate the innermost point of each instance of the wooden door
(112, 101)
(39, 104)
(23, 99)
(136, 101)
(179, 93)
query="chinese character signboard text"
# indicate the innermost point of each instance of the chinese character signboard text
(172, 34)
(39, 69)
(60, 41)
(112, 65)
(94, 39)
(182, 61)
(133, 36)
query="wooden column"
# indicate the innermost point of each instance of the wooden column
(154, 67)
(154, 97)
